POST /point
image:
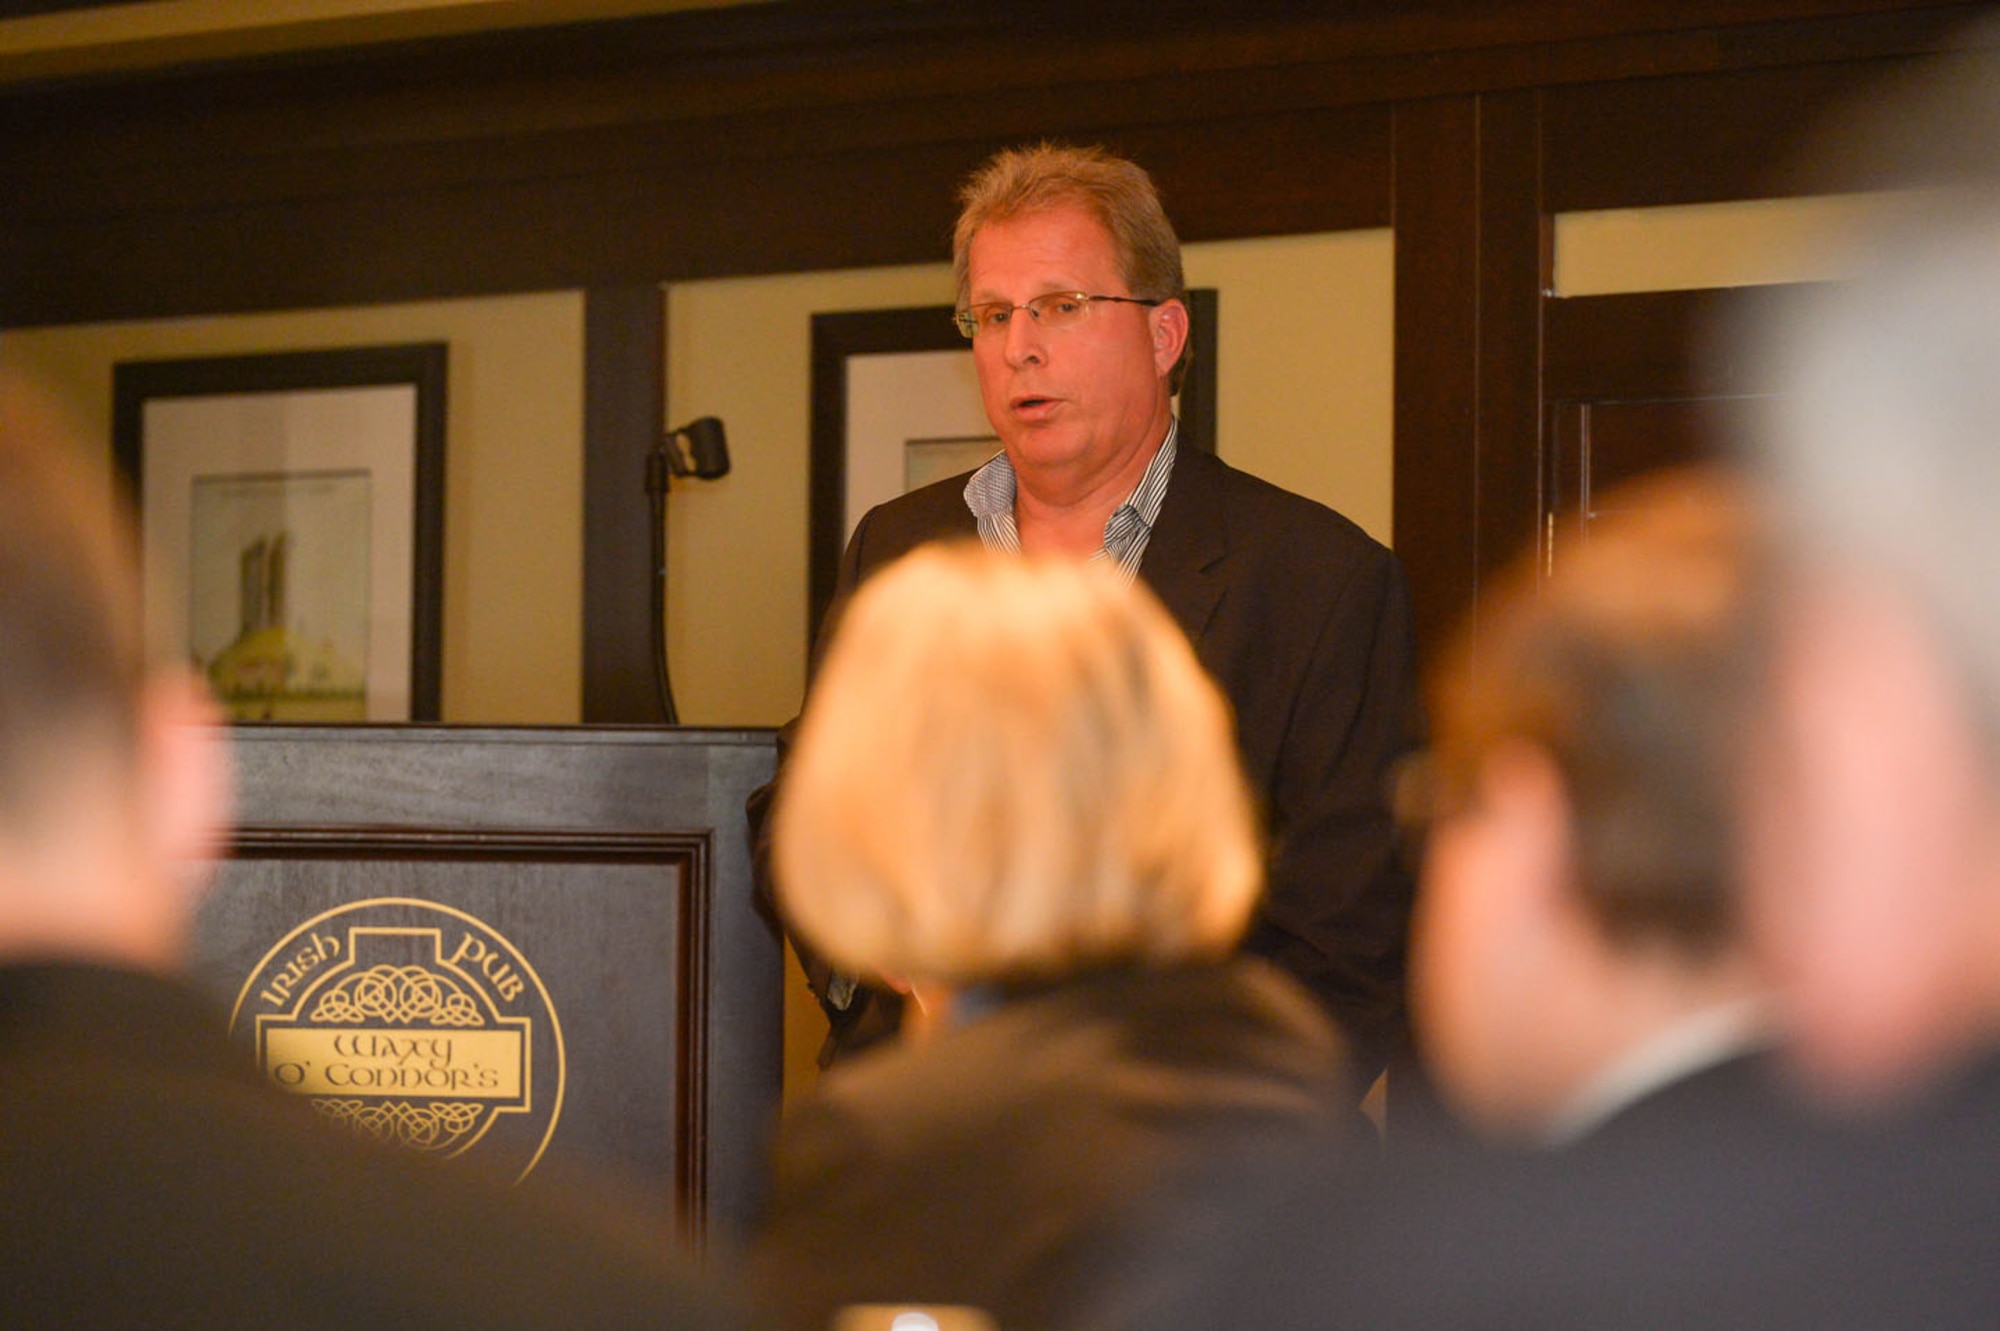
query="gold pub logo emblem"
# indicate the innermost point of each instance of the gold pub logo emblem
(412, 1023)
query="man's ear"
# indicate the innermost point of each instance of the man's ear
(186, 778)
(1168, 324)
(1523, 792)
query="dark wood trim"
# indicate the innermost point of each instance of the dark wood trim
(1471, 259)
(624, 210)
(423, 364)
(683, 146)
(1649, 344)
(538, 846)
(624, 369)
(1197, 396)
(1692, 139)
(692, 1080)
(1606, 346)
(27, 8)
(1437, 359)
(835, 337)
(1515, 268)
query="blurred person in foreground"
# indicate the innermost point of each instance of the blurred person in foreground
(1579, 968)
(149, 1175)
(1870, 812)
(1015, 797)
(1585, 991)
(1071, 291)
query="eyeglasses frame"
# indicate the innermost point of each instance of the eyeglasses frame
(969, 327)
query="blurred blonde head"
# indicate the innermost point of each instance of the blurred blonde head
(1013, 768)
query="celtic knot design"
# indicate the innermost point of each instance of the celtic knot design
(437, 1127)
(397, 995)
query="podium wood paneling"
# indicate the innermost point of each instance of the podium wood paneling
(615, 860)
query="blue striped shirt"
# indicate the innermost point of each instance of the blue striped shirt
(990, 496)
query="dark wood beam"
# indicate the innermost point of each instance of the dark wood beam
(1437, 360)
(1471, 255)
(703, 144)
(624, 360)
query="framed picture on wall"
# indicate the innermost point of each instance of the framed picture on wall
(895, 405)
(291, 511)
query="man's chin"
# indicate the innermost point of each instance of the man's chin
(1042, 449)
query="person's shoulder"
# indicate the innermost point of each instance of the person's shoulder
(1237, 1020)
(926, 506)
(933, 512)
(1240, 1015)
(1266, 512)
(1747, 1087)
(1233, 992)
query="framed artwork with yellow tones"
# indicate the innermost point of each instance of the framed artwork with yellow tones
(291, 517)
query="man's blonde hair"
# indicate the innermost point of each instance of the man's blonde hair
(1013, 768)
(1118, 193)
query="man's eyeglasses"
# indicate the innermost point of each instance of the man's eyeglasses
(1058, 309)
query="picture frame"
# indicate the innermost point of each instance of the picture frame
(291, 512)
(895, 400)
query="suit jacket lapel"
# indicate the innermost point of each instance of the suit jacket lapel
(1183, 562)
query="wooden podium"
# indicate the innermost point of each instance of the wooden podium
(528, 946)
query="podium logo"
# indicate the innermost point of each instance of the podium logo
(413, 1023)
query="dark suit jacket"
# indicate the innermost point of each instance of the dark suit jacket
(1002, 1161)
(1733, 1217)
(1304, 621)
(149, 1177)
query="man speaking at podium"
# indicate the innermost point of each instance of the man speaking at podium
(1071, 293)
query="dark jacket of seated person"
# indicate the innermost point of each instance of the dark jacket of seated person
(1015, 797)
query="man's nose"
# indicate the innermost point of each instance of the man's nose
(1024, 334)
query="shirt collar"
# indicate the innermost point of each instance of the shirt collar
(991, 491)
(1701, 1041)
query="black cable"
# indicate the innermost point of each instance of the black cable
(656, 490)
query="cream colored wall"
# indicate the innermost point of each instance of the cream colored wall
(741, 349)
(1305, 392)
(1713, 245)
(513, 558)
